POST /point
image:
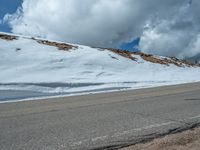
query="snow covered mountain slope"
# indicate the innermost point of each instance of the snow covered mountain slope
(39, 65)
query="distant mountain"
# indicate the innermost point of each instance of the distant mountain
(33, 64)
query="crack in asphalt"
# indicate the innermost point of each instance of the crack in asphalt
(152, 136)
(149, 137)
(192, 99)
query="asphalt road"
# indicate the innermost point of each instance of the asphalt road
(101, 121)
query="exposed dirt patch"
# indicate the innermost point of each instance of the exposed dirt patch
(163, 61)
(188, 140)
(123, 53)
(154, 59)
(166, 61)
(7, 37)
(60, 46)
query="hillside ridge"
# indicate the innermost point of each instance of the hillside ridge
(125, 53)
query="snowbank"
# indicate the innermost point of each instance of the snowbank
(32, 65)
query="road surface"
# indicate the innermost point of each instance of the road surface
(100, 121)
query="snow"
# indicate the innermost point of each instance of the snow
(28, 65)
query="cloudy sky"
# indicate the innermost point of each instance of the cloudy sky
(167, 27)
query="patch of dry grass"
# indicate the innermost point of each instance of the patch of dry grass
(60, 46)
(123, 53)
(7, 37)
(154, 59)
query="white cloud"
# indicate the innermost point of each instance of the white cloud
(168, 27)
(174, 35)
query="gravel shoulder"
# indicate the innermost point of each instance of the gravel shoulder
(187, 140)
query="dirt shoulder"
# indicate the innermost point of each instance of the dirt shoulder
(187, 140)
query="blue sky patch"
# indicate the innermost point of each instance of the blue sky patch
(7, 6)
(132, 46)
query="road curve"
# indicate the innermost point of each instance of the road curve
(100, 121)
